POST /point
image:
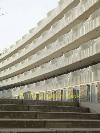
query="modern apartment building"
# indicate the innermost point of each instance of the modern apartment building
(59, 59)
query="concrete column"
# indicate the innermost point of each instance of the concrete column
(98, 92)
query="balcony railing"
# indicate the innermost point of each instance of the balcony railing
(60, 24)
(63, 40)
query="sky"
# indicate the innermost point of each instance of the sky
(19, 17)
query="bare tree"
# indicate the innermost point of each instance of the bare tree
(1, 12)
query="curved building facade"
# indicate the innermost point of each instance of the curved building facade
(59, 59)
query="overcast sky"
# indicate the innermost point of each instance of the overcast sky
(20, 16)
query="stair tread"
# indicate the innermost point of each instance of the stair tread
(38, 118)
(49, 112)
(49, 129)
(39, 105)
(4, 119)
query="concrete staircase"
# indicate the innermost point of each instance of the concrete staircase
(17, 116)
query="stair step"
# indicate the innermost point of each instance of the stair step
(42, 108)
(67, 115)
(13, 107)
(51, 103)
(49, 123)
(18, 114)
(37, 102)
(57, 108)
(47, 115)
(50, 130)
(11, 101)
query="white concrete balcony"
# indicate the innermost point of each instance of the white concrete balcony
(96, 19)
(54, 65)
(51, 14)
(43, 40)
(96, 72)
(17, 56)
(76, 78)
(25, 51)
(57, 45)
(15, 92)
(85, 76)
(96, 47)
(87, 50)
(48, 21)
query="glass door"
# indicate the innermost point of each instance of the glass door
(76, 94)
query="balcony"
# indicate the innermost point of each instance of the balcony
(49, 20)
(58, 44)
(60, 23)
